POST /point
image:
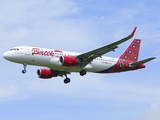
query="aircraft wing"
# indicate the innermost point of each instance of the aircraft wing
(142, 61)
(87, 57)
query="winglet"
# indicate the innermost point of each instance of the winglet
(132, 34)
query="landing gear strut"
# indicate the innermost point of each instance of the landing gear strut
(24, 66)
(67, 80)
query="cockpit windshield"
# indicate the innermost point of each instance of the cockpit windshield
(15, 49)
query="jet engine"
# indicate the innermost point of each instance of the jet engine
(68, 60)
(47, 73)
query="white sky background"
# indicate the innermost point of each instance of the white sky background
(80, 25)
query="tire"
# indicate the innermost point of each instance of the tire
(23, 71)
(67, 80)
(83, 72)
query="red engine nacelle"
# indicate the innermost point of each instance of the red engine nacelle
(47, 73)
(68, 60)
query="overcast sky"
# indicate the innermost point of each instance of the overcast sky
(80, 26)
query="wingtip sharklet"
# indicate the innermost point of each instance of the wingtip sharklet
(153, 58)
(133, 32)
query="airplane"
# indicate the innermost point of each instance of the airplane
(61, 63)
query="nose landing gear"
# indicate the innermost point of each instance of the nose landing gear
(24, 71)
(24, 66)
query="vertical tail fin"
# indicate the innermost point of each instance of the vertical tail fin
(129, 59)
(132, 52)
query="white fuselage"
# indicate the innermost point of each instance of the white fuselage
(50, 58)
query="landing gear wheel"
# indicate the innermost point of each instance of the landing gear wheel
(24, 66)
(82, 72)
(67, 80)
(24, 71)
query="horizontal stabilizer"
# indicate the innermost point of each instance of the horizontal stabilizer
(142, 61)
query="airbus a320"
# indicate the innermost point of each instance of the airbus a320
(61, 63)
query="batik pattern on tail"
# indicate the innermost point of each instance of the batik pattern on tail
(130, 55)
(132, 52)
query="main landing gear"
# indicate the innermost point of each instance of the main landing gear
(67, 80)
(24, 66)
(82, 72)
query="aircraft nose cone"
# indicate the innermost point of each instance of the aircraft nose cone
(6, 55)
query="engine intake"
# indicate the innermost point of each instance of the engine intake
(68, 60)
